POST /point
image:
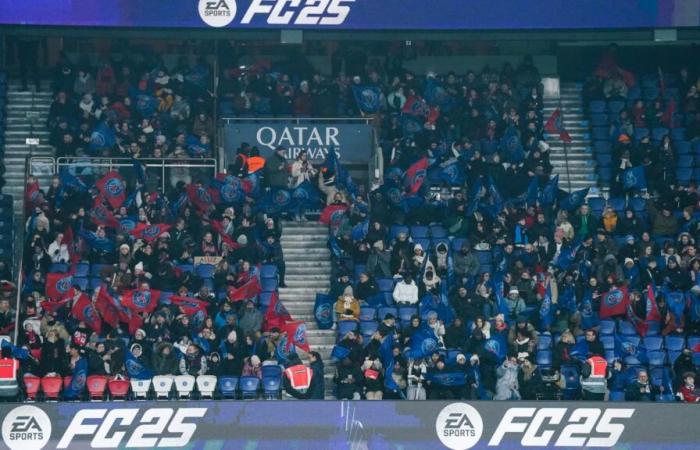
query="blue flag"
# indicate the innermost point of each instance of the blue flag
(589, 317)
(139, 170)
(567, 299)
(531, 194)
(70, 181)
(411, 202)
(103, 137)
(360, 230)
(339, 352)
(423, 344)
(227, 192)
(386, 355)
(306, 196)
(17, 352)
(323, 311)
(103, 244)
(135, 369)
(498, 346)
(549, 193)
(447, 378)
(630, 347)
(694, 303)
(574, 199)
(634, 178)
(580, 350)
(495, 199)
(78, 380)
(567, 256)
(500, 295)
(368, 98)
(436, 95)
(448, 172)
(282, 352)
(276, 201)
(547, 308)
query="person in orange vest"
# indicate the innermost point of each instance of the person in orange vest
(255, 161)
(594, 378)
(299, 380)
(9, 372)
(239, 166)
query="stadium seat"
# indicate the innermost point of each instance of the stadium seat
(607, 327)
(346, 326)
(457, 244)
(368, 328)
(51, 386)
(406, 312)
(652, 343)
(271, 370)
(596, 106)
(205, 270)
(694, 343)
(184, 385)
(626, 328)
(268, 271)
(656, 358)
(96, 385)
(544, 342)
(269, 284)
(383, 311)
(385, 284)
(438, 232)
(608, 342)
(228, 386)
(272, 388)
(82, 270)
(162, 385)
(206, 385)
(544, 358)
(658, 133)
(615, 106)
(368, 313)
(58, 268)
(32, 384)
(118, 389)
(186, 268)
(249, 387)
(140, 388)
(97, 269)
(602, 146)
(265, 298)
(617, 396)
(600, 133)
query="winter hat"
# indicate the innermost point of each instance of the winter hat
(629, 261)
(124, 246)
(136, 347)
(140, 330)
(242, 240)
(138, 267)
(513, 290)
(348, 291)
(232, 336)
(255, 360)
(461, 357)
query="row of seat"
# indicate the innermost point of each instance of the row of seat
(602, 133)
(162, 387)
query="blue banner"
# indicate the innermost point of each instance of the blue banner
(423, 344)
(323, 311)
(574, 200)
(135, 369)
(589, 316)
(368, 98)
(634, 178)
(547, 308)
(77, 383)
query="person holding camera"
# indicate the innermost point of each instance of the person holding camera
(417, 369)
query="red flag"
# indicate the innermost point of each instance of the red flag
(415, 175)
(59, 285)
(52, 307)
(85, 311)
(149, 232)
(199, 196)
(139, 300)
(189, 305)
(106, 306)
(276, 315)
(135, 323)
(653, 313)
(415, 106)
(333, 214)
(296, 335)
(554, 126)
(32, 196)
(73, 247)
(250, 289)
(102, 216)
(667, 117)
(639, 324)
(112, 188)
(228, 240)
(614, 303)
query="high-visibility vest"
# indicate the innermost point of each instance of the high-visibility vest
(299, 376)
(8, 369)
(596, 382)
(255, 163)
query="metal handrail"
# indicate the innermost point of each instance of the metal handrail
(297, 120)
(19, 240)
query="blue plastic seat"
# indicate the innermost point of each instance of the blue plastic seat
(359, 268)
(544, 342)
(600, 133)
(653, 328)
(678, 134)
(617, 396)
(268, 284)
(640, 133)
(205, 270)
(596, 204)
(368, 313)
(272, 387)
(665, 398)
(82, 270)
(650, 93)
(602, 146)
(603, 159)
(95, 283)
(424, 243)
(457, 244)
(638, 204)
(572, 376)
(438, 231)
(656, 358)
(617, 203)
(346, 326)
(58, 268)
(599, 119)
(368, 327)
(186, 268)
(249, 387)
(652, 343)
(228, 386)
(96, 269)
(396, 229)
(268, 271)
(384, 310)
(81, 282)
(597, 106)
(485, 257)
(658, 133)
(627, 329)
(265, 298)
(544, 358)
(684, 161)
(608, 342)
(271, 371)
(385, 284)
(694, 343)
(615, 106)
(607, 327)
(405, 312)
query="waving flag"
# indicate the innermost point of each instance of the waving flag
(368, 98)
(70, 181)
(217, 226)
(250, 289)
(101, 243)
(634, 178)
(549, 193)
(676, 304)
(567, 299)
(146, 104)
(323, 311)
(135, 368)
(140, 171)
(276, 201)
(415, 175)
(32, 195)
(436, 94)
(639, 324)
(448, 172)
(106, 306)
(51, 306)
(359, 231)
(547, 308)
(139, 300)
(296, 335)
(306, 196)
(226, 190)
(498, 291)
(574, 200)
(339, 352)
(104, 137)
(423, 344)
(626, 347)
(614, 303)
(532, 192)
(85, 311)
(17, 352)
(199, 197)
(58, 285)
(653, 313)
(73, 247)
(149, 233)
(333, 214)
(102, 216)
(177, 206)
(127, 224)
(112, 188)
(498, 346)
(77, 383)
(276, 314)
(580, 350)
(554, 125)
(189, 305)
(589, 317)
(416, 107)
(386, 355)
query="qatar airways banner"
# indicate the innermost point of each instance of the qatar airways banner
(352, 141)
(355, 14)
(375, 425)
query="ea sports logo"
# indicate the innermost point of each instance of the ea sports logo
(459, 426)
(217, 13)
(26, 427)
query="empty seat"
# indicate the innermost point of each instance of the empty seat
(485, 257)
(32, 384)
(269, 284)
(51, 386)
(272, 387)
(96, 385)
(617, 203)
(228, 386)
(544, 358)
(58, 268)
(438, 231)
(627, 329)
(652, 343)
(265, 298)
(638, 204)
(206, 385)
(368, 313)
(406, 312)
(599, 119)
(603, 159)
(162, 385)
(602, 146)
(368, 328)
(118, 389)
(544, 342)
(140, 388)
(608, 342)
(596, 106)
(184, 385)
(640, 133)
(607, 327)
(82, 270)
(600, 133)
(346, 326)
(396, 229)
(617, 396)
(656, 358)
(684, 161)
(658, 133)
(249, 387)
(271, 370)
(268, 271)
(678, 134)
(615, 106)
(385, 284)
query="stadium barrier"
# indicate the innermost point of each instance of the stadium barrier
(348, 425)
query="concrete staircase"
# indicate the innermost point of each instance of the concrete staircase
(308, 263)
(27, 112)
(575, 164)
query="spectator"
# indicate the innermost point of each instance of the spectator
(276, 169)
(347, 307)
(406, 291)
(641, 390)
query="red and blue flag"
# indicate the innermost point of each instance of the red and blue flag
(112, 188)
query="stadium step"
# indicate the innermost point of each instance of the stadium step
(573, 162)
(307, 258)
